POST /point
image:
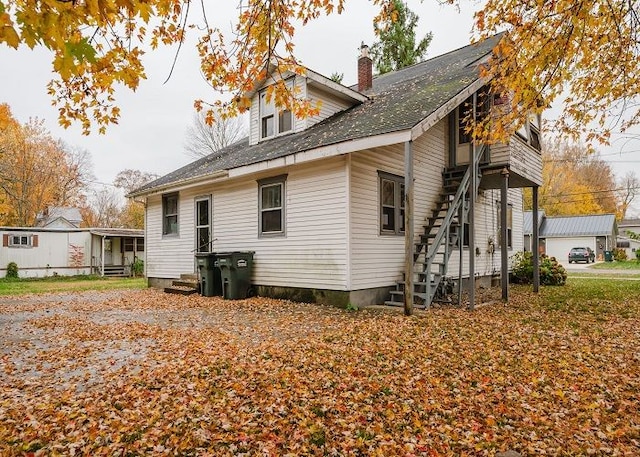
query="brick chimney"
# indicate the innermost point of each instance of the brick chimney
(365, 69)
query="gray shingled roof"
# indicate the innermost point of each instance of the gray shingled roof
(565, 226)
(400, 101)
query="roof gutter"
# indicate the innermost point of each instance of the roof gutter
(179, 185)
(344, 147)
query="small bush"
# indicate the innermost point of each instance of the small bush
(551, 272)
(12, 270)
(137, 267)
(620, 255)
(638, 255)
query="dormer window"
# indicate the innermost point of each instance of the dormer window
(270, 124)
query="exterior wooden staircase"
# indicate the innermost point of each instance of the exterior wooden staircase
(443, 232)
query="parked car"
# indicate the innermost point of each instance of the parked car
(581, 255)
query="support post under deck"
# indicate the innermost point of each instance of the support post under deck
(504, 242)
(408, 230)
(535, 242)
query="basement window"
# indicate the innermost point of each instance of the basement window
(391, 204)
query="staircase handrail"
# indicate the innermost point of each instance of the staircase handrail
(453, 208)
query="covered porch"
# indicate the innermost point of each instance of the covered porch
(115, 250)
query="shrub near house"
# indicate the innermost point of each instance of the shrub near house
(552, 273)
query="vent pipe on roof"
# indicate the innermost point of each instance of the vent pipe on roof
(365, 69)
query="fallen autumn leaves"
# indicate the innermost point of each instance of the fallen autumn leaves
(142, 373)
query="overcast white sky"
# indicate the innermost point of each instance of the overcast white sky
(151, 133)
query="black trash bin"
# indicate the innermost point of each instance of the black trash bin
(608, 256)
(235, 270)
(209, 274)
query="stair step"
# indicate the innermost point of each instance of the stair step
(418, 283)
(189, 276)
(400, 304)
(178, 290)
(183, 283)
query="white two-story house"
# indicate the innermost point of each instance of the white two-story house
(321, 200)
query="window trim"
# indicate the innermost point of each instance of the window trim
(165, 215)
(280, 180)
(198, 226)
(275, 113)
(509, 226)
(398, 203)
(128, 239)
(20, 245)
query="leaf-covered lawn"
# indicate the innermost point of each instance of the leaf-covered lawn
(143, 373)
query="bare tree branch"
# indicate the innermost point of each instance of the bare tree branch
(203, 139)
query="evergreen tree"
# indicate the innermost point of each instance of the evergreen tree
(397, 47)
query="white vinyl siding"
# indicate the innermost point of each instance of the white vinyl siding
(168, 256)
(330, 104)
(313, 254)
(487, 238)
(522, 159)
(378, 260)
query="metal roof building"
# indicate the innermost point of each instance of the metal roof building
(558, 234)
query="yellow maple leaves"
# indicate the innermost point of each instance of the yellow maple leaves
(585, 53)
(146, 373)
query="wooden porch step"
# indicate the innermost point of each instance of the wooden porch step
(115, 271)
(400, 304)
(189, 276)
(183, 283)
(179, 290)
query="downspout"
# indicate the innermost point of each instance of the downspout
(409, 230)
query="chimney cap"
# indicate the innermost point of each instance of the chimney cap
(364, 50)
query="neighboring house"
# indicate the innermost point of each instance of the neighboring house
(45, 251)
(631, 247)
(629, 225)
(626, 240)
(59, 217)
(558, 234)
(321, 200)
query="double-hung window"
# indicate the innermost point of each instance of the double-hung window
(170, 214)
(271, 198)
(273, 121)
(391, 204)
